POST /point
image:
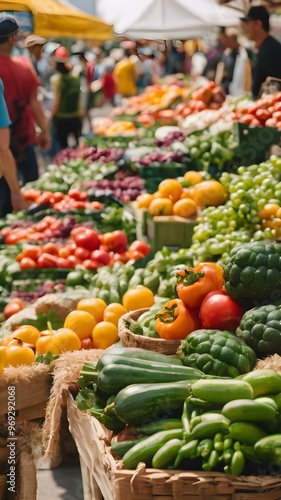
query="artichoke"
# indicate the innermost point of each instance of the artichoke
(217, 352)
(253, 271)
(260, 328)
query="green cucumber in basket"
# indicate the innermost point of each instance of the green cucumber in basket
(143, 403)
(145, 364)
(114, 376)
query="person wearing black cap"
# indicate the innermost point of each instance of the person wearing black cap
(267, 59)
(20, 88)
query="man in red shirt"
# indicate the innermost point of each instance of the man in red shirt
(20, 87)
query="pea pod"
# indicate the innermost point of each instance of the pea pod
(212, 461)
(237, 463)
(187, 451)
(167, 454)
(204, 448)
(227, 455)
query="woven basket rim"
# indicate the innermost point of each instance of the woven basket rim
(135, 315)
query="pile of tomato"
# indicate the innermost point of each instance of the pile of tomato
(73, 200)
(85, 248)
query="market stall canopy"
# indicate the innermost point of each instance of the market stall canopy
(169, 19)
(53, 18)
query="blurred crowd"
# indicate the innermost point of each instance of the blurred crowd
(50, 90)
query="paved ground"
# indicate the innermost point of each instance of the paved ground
(62, 483)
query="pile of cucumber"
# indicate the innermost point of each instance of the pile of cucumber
(174, 417)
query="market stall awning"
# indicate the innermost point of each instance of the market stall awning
(169, 19)
(53, 18)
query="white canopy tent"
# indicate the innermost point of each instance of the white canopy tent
(169, 19)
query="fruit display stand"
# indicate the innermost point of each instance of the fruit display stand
(103, 476)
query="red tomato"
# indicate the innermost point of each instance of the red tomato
(50, 248)
(101, 257)
(90, 264)
(32, 251)
(73, 261)
(277, 114)
(89, 239)
(135, 255)
(247, 118)
(58, 196)
(82, 253)
(46, 197)
(78, 195)
(27, 263)
(122, 257)
(35, 237)
(15, 236)
(62, 262)
(263, 115)
(277, 106)
(139, 246)
(47, 260)
(96, 205)
(271, 122)
(64, 252)
(219, 311)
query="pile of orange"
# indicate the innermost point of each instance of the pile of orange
(172, 198)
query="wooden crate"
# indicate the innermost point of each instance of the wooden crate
(31, 393)
(103, 476)
(168, 231)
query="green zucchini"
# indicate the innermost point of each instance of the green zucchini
(146, 449)
(114, 377)
(120, 359)
(142, 403)
(248, 410)
(121, 447)
(221, 391)
(138, 353)
(166, 424)
(246, 432)
(263, 381)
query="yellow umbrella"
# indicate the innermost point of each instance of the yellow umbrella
(53, 18)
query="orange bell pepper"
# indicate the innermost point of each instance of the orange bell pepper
(175, 321)
(195, 283)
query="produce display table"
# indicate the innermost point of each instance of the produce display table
(103, 478)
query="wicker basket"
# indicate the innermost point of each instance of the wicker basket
(103, 477)
(130, 339)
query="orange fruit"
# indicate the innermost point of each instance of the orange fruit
(113, 313)
(185, 208)
(161, 206)
(80, 322)
(170, 188)
(209, 193)
(268, 211)
(144, 200)
(63, 340)
(12, 308)
(104, 335)
(94, 306)
(193, 177)
(27, 333)
(138, 298)
(41, 344)
(187, 193)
